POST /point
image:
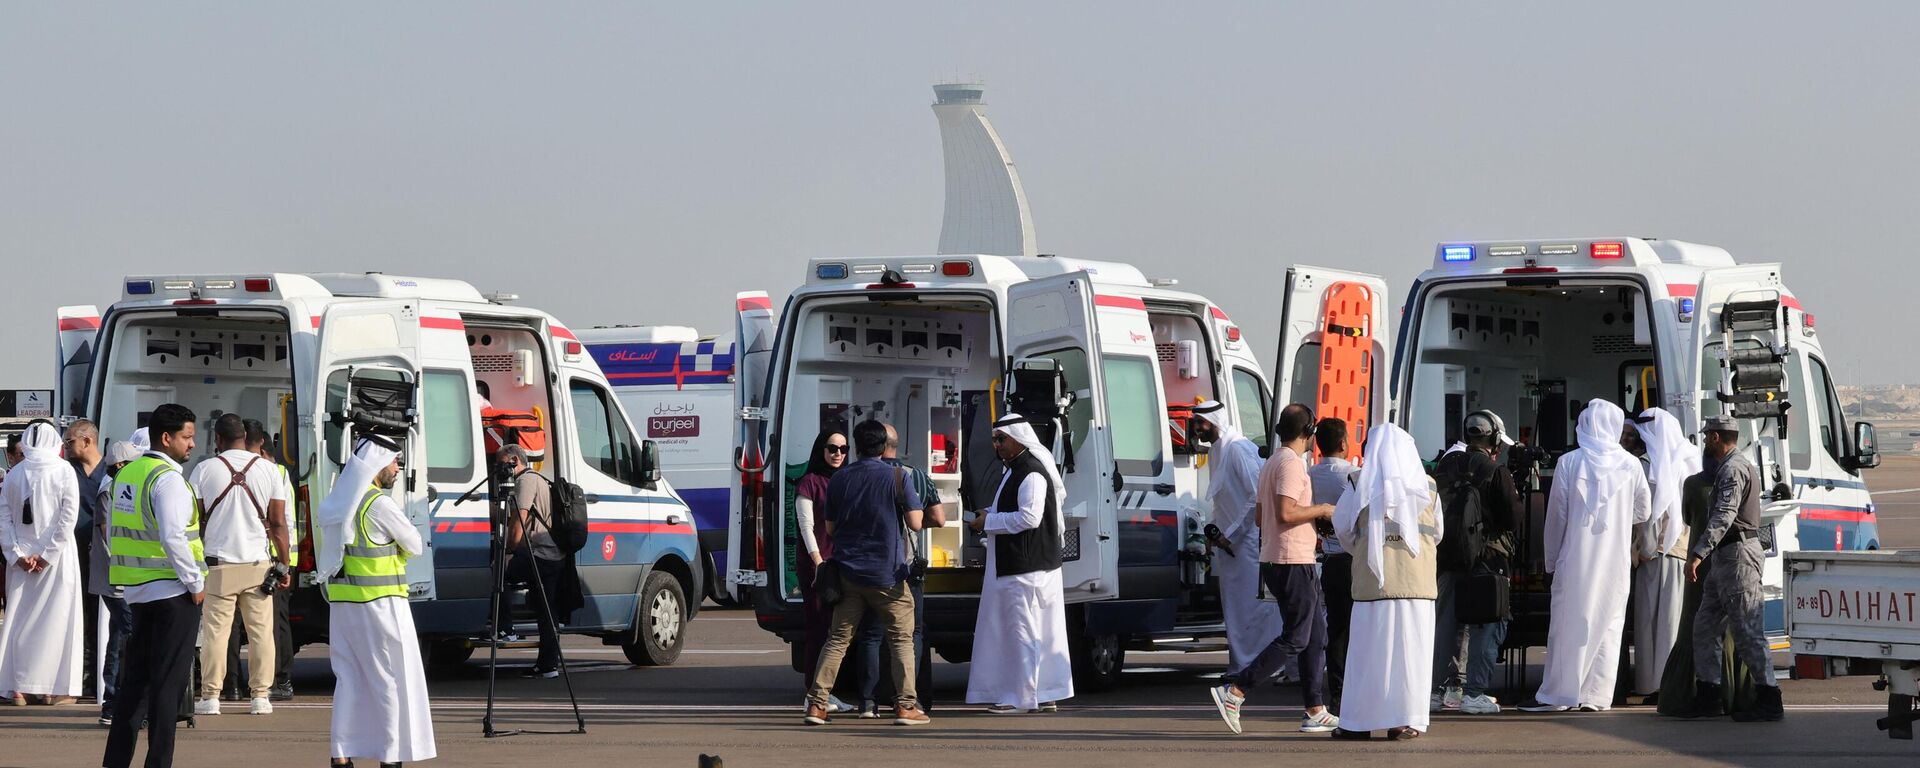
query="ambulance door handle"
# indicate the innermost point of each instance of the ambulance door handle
(1163, 489)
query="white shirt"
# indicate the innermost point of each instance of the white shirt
(386, 522)
(1032, 509)
(234, 533)
(172, 508)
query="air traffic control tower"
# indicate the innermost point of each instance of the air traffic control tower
(986, 208)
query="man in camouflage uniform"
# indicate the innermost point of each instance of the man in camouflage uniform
(1730, 596)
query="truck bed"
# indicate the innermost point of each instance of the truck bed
(1863, 605)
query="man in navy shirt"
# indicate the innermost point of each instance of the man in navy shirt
(868, 503)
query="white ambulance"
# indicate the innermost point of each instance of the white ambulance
(937, 346)
(678, 385)
(299, 352)
(1533, 329)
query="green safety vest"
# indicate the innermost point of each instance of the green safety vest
(369, 571)
(133, 536)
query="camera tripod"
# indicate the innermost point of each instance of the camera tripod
(500, 499)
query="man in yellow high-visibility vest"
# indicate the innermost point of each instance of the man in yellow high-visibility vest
(364, 538)
(156, 556)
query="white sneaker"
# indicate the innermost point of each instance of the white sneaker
(1452, 698)
(1228, 704)
(836, 706)
(206, 707)
(1320, 723)
(1480, 705)
(261, 706)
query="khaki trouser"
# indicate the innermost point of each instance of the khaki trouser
(895, 606)
(229, 585)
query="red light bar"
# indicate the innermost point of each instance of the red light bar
(884, 286)
(1529, 270)
(1233, 333)
(1609, 250)
(192, 302)
(259, 285)
(575, 348)
(956, 268)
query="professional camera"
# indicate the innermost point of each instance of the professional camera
(275, 573)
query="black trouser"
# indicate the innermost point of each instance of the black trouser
(236, 682)
(540, 601)
(283, 647)
(1336, 582)
(1303, 632)
(153, 679)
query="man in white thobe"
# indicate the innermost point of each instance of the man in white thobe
(1020, 658)
(1390, 520)
(1660, 548)
(1233, 480)
(380, 707)
(40, 644)
(1599, 494)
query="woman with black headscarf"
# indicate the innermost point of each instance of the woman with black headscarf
(809, 508)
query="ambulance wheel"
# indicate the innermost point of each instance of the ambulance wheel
(661, 620)
(445, 655)
(1097, 661)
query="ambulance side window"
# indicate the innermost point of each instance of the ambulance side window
(1250, 399)
(1824, 406)
(606, 444)
(1306, 375)
(449, 426)
(1136, 415)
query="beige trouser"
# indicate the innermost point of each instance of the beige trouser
(228, 585)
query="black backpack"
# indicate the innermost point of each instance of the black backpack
(567, 504)
(1462, 506)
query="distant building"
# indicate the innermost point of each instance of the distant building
(986, 208)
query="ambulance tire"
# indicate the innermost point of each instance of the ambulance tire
(446, 655)
(1097, 659)
(661, 622)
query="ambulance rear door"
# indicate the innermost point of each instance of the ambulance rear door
(74, 346)
(368, 369)
(1053, 334)
(1336, 349)
(748, 537)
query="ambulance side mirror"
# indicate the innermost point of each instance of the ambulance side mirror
(649, 465)
(1866, 450)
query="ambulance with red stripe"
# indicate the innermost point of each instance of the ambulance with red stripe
(292, 349)
(1533, 329)
(938, 347)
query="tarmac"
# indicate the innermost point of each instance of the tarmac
(732, 693)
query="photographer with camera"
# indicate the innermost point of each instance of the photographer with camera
(530, 542)
(1479, 502)
(1233, 533)
(869, 570)
(245, 516)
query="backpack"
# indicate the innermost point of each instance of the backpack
(1463, 508)
(567, 505)
(522, 428)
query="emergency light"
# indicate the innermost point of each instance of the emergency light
(956, 268)
(259, 285)
(1456, 253)
(1559, 249)
(139, 287)
(1609, 250)
(830, 271)
(219, 285)
(178, 285)
(1507, 250)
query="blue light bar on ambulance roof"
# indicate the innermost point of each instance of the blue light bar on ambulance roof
(1456, 253)
(139, 287)
(830, 271)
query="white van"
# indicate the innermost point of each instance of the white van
(291, 349)
(1532, 329)
(678, 384)
(935, 345)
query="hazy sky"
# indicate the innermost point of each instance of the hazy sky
(629, 163)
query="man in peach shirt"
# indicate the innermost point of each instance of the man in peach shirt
(1289, 570)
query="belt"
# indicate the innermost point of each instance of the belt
(1735, 537)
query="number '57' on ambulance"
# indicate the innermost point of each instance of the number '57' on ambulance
(289, 350)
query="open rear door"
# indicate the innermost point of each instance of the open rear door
(1051, 328)
(368, 372)
(1335, 349)
(76, 339)
(749, 533)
